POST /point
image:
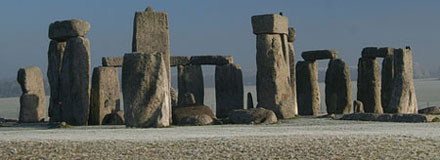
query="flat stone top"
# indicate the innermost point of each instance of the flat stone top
(270, 24)
(177, 60)
(319, 54)
(373, 52)
(62, 30)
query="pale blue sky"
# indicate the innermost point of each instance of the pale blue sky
(199, 27)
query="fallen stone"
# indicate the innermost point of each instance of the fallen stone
(75, 82)
(112, 61)
(193, 115)
(33, 98)
(307, 88)
(146, 90)
(190, 80)
(63, 30)
(253, 116)
(105, 94)
(407, 118)
(270, 24)
(114, 118)
(292, 35)
(55, 61)
(211, 60)
(358, 106)
(387, 82)
(250, 101)
(319, 54)
(368, 85)
(179, 60)
(338, 87)
(430, 110)
(403, 98)
(373, 52)
(228, 89)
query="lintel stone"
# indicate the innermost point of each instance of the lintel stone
(270, 24)
(373, 52)
(319, 54)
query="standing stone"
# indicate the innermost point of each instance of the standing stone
(55, 61)
(173, 95)
(75, 82)
(33, 99)
(387, 82)
(146, 90)
(358, 107)
(368, 85)
(250, 101)
(228, 89)
(293, 77)
(403, 98)
(105, 94)
(307, 87)
(338, 87)
(190, 80)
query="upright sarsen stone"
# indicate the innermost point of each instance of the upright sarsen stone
(307, 87)
(55, 61)
(190, 80)
(75, 82)
(105, 94)
(387, 82)
(145, 88)
(293, 77)
(403, 98)
(338, 87)
(368, 85)
(33, 98)
(228, 89)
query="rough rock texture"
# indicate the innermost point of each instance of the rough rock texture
(145, 87)
(358, 106)
(319, 54)
(338, 87)
(408, 118)
(193, 115)
(179, 60)
(190, 80)
(270, 24)
(250, 101)
(228, 89)
(211, 60)
(387, 82)
(253, 116)
(273, 75)
(307, 87)
(293, 77)
(368, 85)
(403, 98)
(75, 82)
(63, 30)
(33, 98)
(55, 61)
(373, 52)
(292, 35)
(114, 118)
(430, 110)
(173, 95)
(187, 99)
(112, 61)
(105, 94)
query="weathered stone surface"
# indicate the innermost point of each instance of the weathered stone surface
(368, 85)
(228, 89)
(187, 99)
(270, 24)
(114, 118)
(403, 98)
(250, 101)
(75, 82)
(190, 80)
(105, 94)
(293, 77)
(407, 118)
(55, 61)
(211, 60)
(338, 87)
(358, 106)
(253, 116)
(373, 52)
(33, 98)
(307, 87)
(430, 110)
(273, 75)
(149, 9)
(145, 87)
(179, 60)
(63, 30)
(112, 61)
(319, 54)
(292, 35)
(173, 95)
(387, 82)
(193, 115)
